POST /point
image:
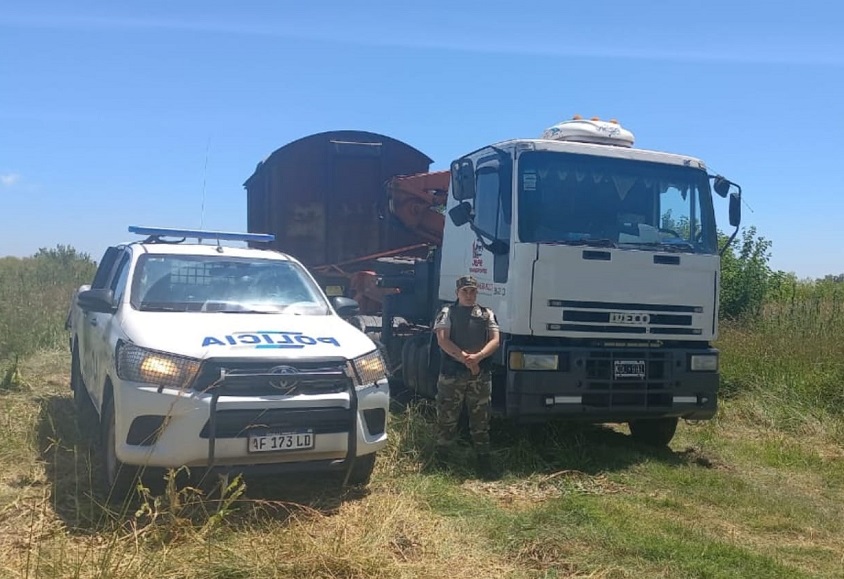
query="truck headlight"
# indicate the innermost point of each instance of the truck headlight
(368, 369)
(526, 361)
(137, 364)
(703, 363)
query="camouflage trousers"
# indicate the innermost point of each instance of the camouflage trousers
(476, 391)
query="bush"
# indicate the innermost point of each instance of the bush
(35, 295)
(746, 277)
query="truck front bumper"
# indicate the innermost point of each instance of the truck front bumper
(614, 385)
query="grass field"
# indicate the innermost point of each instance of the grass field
(757, 492)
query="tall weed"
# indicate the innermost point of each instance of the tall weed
(793, 348)
(35, 295)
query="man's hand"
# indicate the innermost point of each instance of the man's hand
(472, 361)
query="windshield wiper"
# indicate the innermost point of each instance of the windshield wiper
(244, 311)
(587, 242)
(673, 247)
(160, 308)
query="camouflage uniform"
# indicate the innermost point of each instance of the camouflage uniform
(469, 328)
(452, 391)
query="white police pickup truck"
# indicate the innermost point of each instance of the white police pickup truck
(224, 358)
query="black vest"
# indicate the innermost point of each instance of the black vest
(469, 331)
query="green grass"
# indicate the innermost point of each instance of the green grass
(729, 499)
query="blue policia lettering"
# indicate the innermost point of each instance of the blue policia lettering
(268, 339)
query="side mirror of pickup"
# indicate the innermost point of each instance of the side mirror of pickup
(345, 307)
(97, 300)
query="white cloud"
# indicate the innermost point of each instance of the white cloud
(9, 179)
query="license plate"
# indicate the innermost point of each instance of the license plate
(303, 440)
(333, 290)
(629, 369)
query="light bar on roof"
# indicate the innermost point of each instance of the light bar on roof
(201, 234)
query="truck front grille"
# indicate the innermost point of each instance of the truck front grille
(602, 389)
(625, 318)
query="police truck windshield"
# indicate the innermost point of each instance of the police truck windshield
(565, 197)
(199, 283)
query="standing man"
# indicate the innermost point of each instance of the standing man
(467, 333)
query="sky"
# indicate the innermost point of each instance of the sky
(155, 113)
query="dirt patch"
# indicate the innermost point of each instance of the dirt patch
(525, 493)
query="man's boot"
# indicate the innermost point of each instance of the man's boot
(486, 469)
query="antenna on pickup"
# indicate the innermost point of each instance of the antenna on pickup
(204, 177)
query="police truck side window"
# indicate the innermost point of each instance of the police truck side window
(121, 276)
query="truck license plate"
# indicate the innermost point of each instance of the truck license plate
(629, 369)
(303, 440)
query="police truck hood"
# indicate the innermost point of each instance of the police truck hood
(203, 334)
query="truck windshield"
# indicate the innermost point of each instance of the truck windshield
(574, 198)
(199, 283)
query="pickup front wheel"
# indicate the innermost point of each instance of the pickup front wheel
(86, 414)
(362, 470)
(119, 478)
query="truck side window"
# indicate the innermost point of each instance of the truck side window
(492, 204)
(492, 214)
(487, 201)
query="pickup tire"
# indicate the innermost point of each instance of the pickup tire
(86, 413)
(362, 470)
(119, 478)
(654, 431)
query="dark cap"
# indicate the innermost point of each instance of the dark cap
(466, 281)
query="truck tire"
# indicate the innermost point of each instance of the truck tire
(119, 478)
(654, 431)
(427, 383)
(409, 355)
(362, 470)
(86, 413)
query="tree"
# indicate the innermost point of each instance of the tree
(746, 277)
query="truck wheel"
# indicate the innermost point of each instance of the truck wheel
(654, 431)
(119, 478)
(86, 414)
(408, 364)
(362, 470)
(426, 383)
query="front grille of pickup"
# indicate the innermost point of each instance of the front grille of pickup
(238, 423)
(227, 377)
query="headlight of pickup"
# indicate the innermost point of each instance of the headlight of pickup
(368, 369)
(137, 364)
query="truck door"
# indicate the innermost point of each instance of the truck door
(88, 321)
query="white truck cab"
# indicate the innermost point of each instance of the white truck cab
(601, 263)
(230, 359)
